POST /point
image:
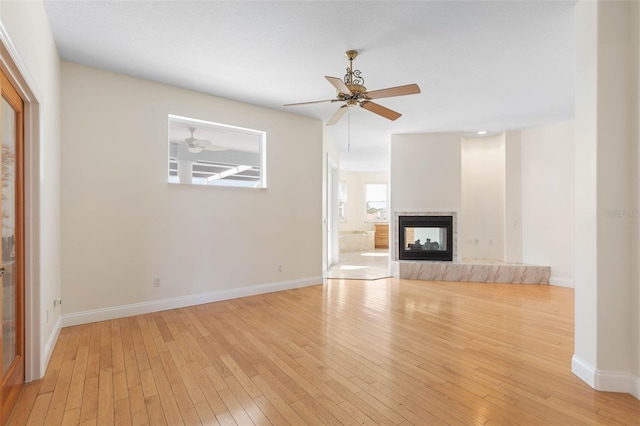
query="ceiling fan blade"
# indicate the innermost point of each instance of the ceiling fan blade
(337, 116)
(312, 102)
(409, 89)
(339, 85)
(380, 110)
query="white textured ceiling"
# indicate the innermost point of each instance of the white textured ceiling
(481, 65)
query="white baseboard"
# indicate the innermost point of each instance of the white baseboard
(562, 282)
(583, 370)
(607, 381)
(104, 314)
(635, 391)
(48, 349)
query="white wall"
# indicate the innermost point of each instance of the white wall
(547, 199)
(513, 197)
(483, 197)
(27, 28)
(123, 224)
(635, 129)
(606, 196)
(425, 171)
(356, 198)
(425, 174)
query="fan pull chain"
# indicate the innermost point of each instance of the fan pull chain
(348, 128)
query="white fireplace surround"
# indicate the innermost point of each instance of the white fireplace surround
(425, 212)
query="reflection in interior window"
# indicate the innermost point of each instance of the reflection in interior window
(206, 153)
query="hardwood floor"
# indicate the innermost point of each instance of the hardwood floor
(350, 352)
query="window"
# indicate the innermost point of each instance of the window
(206, 153)
(375, 196)
(342, 201)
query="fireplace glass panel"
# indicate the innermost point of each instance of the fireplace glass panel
(425, 239)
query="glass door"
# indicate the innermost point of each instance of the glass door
(12, 249)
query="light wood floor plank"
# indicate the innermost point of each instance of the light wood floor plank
(89, 408)
(137, 406)
(71, 417)
(76, 388)
(40, 409)
(105, 397)
(122, 412)
(25, 404)
(60, 394)
(348, 352)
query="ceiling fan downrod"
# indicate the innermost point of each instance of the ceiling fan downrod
(353, 79)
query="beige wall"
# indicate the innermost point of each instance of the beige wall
(123, 224)
(27, 30)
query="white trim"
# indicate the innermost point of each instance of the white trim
(635, 387)
(388, 200)
(18, 73)
(583, 370)
(606, 381)
(183, 301)
(51, 343)
(561, 282)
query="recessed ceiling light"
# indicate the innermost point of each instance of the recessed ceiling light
(482, 132)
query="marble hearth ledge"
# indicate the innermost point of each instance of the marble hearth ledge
(474, 271)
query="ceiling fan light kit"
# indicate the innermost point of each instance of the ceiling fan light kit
(351, 91)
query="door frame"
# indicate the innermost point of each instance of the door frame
(37, 351)
(333, 222)
(13, 378)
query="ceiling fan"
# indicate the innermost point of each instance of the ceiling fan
(352, 92)
(196, 146)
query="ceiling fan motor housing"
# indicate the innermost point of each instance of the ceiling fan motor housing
(358, 91)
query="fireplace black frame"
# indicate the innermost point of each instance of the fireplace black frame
(425, 222)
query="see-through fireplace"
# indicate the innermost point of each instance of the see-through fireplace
(425, 238)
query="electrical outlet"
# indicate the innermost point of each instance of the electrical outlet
(156, 282)
(279, 268)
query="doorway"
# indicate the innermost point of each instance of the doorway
(362, 213)
(12, 252)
